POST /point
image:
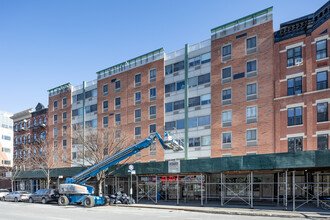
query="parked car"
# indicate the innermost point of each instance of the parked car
(44, 196)
(17, 196)
(3, 192)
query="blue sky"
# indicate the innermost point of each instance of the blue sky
(46, 43)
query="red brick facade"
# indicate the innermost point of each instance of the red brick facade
(265, 87)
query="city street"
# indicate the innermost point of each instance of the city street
(27, 211)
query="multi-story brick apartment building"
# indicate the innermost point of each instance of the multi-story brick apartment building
(29, 129)
(243, 101)
(302, 94)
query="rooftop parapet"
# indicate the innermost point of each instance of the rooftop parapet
(242, 23)
(132, 63)
(59, 89)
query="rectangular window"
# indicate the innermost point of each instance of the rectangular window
(79, 97)
(206, 99)
(251, 91)
(180, 85)
(322, 112)
(64, 130)
(137, 98)
(137, 115)
(137, 80)
(170, 88)
(295, 86)
(195, 101)
(226, 50)
(55, 132)
(206, 140)
(105, 89)
(195, 142)
(178, 105)
(91, 108)
(194, 61)
(295, 116)
(226, 116)
(137, 132)
(180, 124)
(251, 43)
(179, 66)
(55, 119)
(117, 103)
(251, 136)
(192, 122)
(91, 124)
(323, 142)
(226, 75)
(321, 49)
(105, 106)
(226, 138)
(105, 122)
(206, 58)
(295, 144)
(64, 144)
(64, 116)
(251, 66)
(105, 151)
(152, 129)
(152, 112)
(63, 102)
(117, 134)
(322, 80)
(251, 115)
(152, 94)
(193, 82)
(117, 119)
(169, 107)
(294, 56)
(169, 125)
(152, 75)
(202, 79)
(55, 105)
(91, 93)
(117, 86)
(55, 145)
(226, 96)
(168, 69)
(74, 155)
(204, 120)
(76, 112)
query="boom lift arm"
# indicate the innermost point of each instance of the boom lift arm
(73, 191)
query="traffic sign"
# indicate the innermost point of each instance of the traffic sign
(131, 167)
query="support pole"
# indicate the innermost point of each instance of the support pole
(221, 189)
(156, 190)
(278, 188)
(177, 190)
(318, 189)
(206, 189)
(286, 191)
(137, 188)
(293, 190)
(202, 190)
(131, 188)
(251, 191)
(307, 189)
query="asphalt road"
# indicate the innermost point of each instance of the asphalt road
(27, 211)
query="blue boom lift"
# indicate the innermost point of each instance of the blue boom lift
(73, 191)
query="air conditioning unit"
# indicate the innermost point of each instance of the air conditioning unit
(298, 61)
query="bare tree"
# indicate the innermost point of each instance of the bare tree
(96, 146)
(41, 156)
(12, 173)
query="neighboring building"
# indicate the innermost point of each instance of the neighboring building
(302, 86)
(6, 147)
(29, 130)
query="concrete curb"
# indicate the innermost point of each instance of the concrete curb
(232, 211)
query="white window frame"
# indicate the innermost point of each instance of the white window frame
(253, 47)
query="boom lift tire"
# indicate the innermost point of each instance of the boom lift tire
(63, 201)
(89, 202)
(106, 200)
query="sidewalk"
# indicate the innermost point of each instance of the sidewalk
(267, 211)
